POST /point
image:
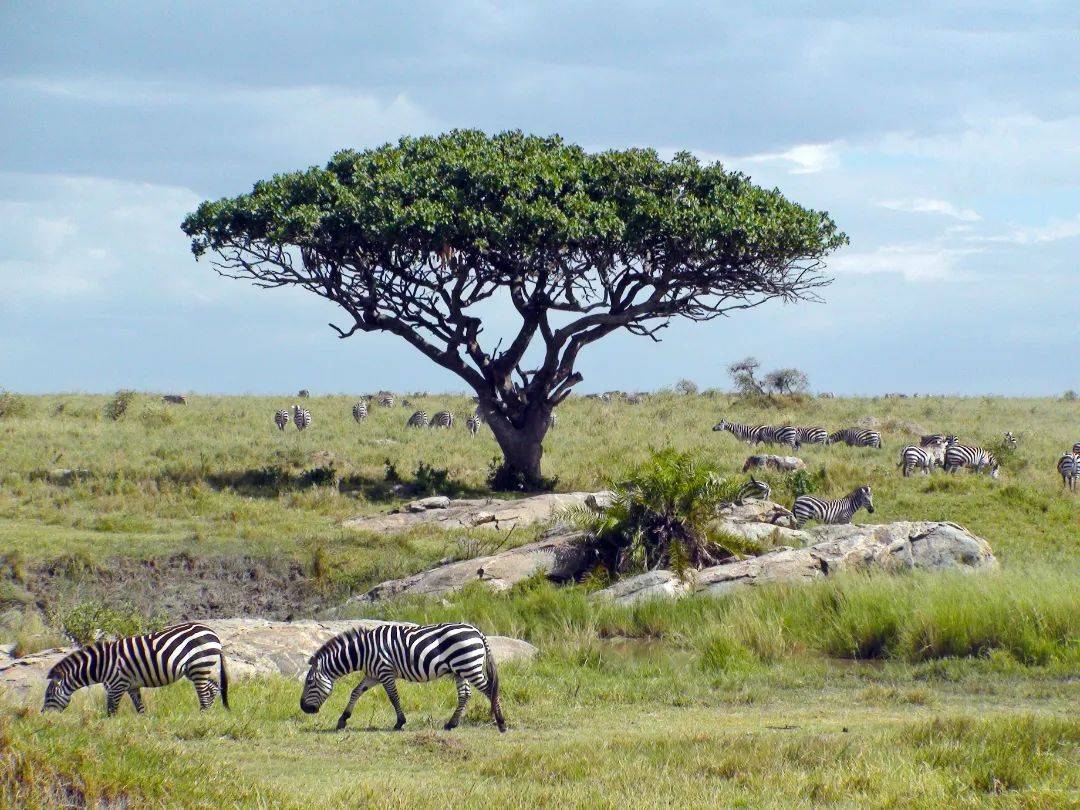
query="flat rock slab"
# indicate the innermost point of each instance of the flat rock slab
(253, 647)
(492, 513)
(768, 461)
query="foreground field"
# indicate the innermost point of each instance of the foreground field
(908, 691)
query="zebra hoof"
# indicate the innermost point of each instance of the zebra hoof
(450, 726)
(399, 726)
(341, 724)
(502, 728)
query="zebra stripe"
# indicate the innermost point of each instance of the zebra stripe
(418, 420)
(1009, 440)
(281, 419)
(359, 411)
(978, 459)
(857, 437)
(472, 424)
(1076, 449)
(921, 457)
(129, 664)
(443, 419)
(759, 490)
(1068, 468)
(386, 399)
(811, 435)
(418, 654)
(552, 420)
(301, 417)
(808, 507)
(746, 433)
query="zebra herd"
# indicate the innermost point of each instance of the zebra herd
(796, 437)
(939, 450)
(301, 417)
(384, 655)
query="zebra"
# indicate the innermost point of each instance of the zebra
(1068, 468)
(281, 419)
(359, 411)
(785, 434)
(301, 417)
(747, 433)
(443, 419)
(857, 437)
(418, 420)
(174, 399)
(128, 664)
(478, 415)
(406, 403)
(1076, 449)
(808, 507)
(922, 457)
(414, 653)
(1009, 441)
(938, 438)
(759, 490)
(472, 424)
(386, 399)
(551, 420)
(811, 435)
(963, 455)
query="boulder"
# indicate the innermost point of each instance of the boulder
(559, 555)
(253, 647)
(889, 547)
(771, 462)
(66, 477)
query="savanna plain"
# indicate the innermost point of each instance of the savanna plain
(868, 691)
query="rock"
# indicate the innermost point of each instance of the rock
(494, 513)
(559, 555)
(65, 477)
(888, 547)
(599, 501)
(253, 647)
(869, 422)
(770, 462)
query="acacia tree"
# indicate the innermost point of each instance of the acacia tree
(420, 239)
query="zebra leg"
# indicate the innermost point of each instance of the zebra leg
(113, 693)
(136, 699)
(361, 687)
(205, 688)
(463, 693)
(490, 690)
(391, 692)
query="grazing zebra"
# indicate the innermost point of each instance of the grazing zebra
(301, 417)
(811, 435)
(938, 438)
(174, 399)
(759, 490)
(922, 457)
(1076, 449)
(472, 424)
(417, 654)
(807, 507)
(418, 420)
(1009, 440)
(359, 411)
(857, 437)
(747, 433)
(281, 419)
(963, 455)
(785, 434)
(386, 399)
(1068, 468)
(443, 419)
(129, 664)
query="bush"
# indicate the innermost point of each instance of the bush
(12, 405)
(156, 416)
(428, 480)
(686, 387)
(1070, 396)
(119, 404)
(86, 622)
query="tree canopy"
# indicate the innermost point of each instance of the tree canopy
(413, 238)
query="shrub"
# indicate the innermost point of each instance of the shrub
(319, 476)
(686, 387)
(428, 480)
(119, 404)
(85, 622)
(1070, 396)
(12, 405)
(156, 416)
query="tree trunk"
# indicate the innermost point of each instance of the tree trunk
(522, 448)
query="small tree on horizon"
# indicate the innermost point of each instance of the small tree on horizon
(420, 237)
(787, 381)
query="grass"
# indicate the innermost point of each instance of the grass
(912, 690)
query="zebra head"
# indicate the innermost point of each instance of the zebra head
(721, 425)
(60, 688)
(317, 685)
(862, 497)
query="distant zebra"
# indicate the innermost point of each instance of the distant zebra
(785, 434)
(478, 415)
(811, 435)
(808, 507)
(922, 457)
(1009, 440)
(281, 419)
(156, 659)
(748, 433)
(963, 455)
(443, 419)
(759, 490)
(472, 424)
(857, 437)
(386, 399)
(406, 403)
(418, 420)
(301, 417)
(391, 651)
(174, 399)
(359, 411)
(551, 420)
(937, 438)
(1076, 449)
(1068, 468)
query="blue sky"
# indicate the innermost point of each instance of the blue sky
(944, 138)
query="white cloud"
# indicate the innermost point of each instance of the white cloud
(921, 263)
(925, 205)
(808, 158)
(1053, 231)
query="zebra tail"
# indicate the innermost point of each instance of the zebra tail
(223, 676)
(491, 673)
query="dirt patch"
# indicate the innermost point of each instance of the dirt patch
(181, 586)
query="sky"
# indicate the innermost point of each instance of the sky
(943, 138)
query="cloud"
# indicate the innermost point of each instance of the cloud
(924, 205)
(1053, 231)
(917, 263)
(808, 158)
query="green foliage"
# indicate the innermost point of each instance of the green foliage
(805, 482)
(119, 404)
(12, 405)
(1070, 396)
(428, 480)
(156, 416)
(85, 622)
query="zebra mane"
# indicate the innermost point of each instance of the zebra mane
(61, 667)
(337, 641)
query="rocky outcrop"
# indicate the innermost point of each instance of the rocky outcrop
(253, 647)
(560, 555)
(770, 462)
(494, 513)
(889, 547)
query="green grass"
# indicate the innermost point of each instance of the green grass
(912, 690)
